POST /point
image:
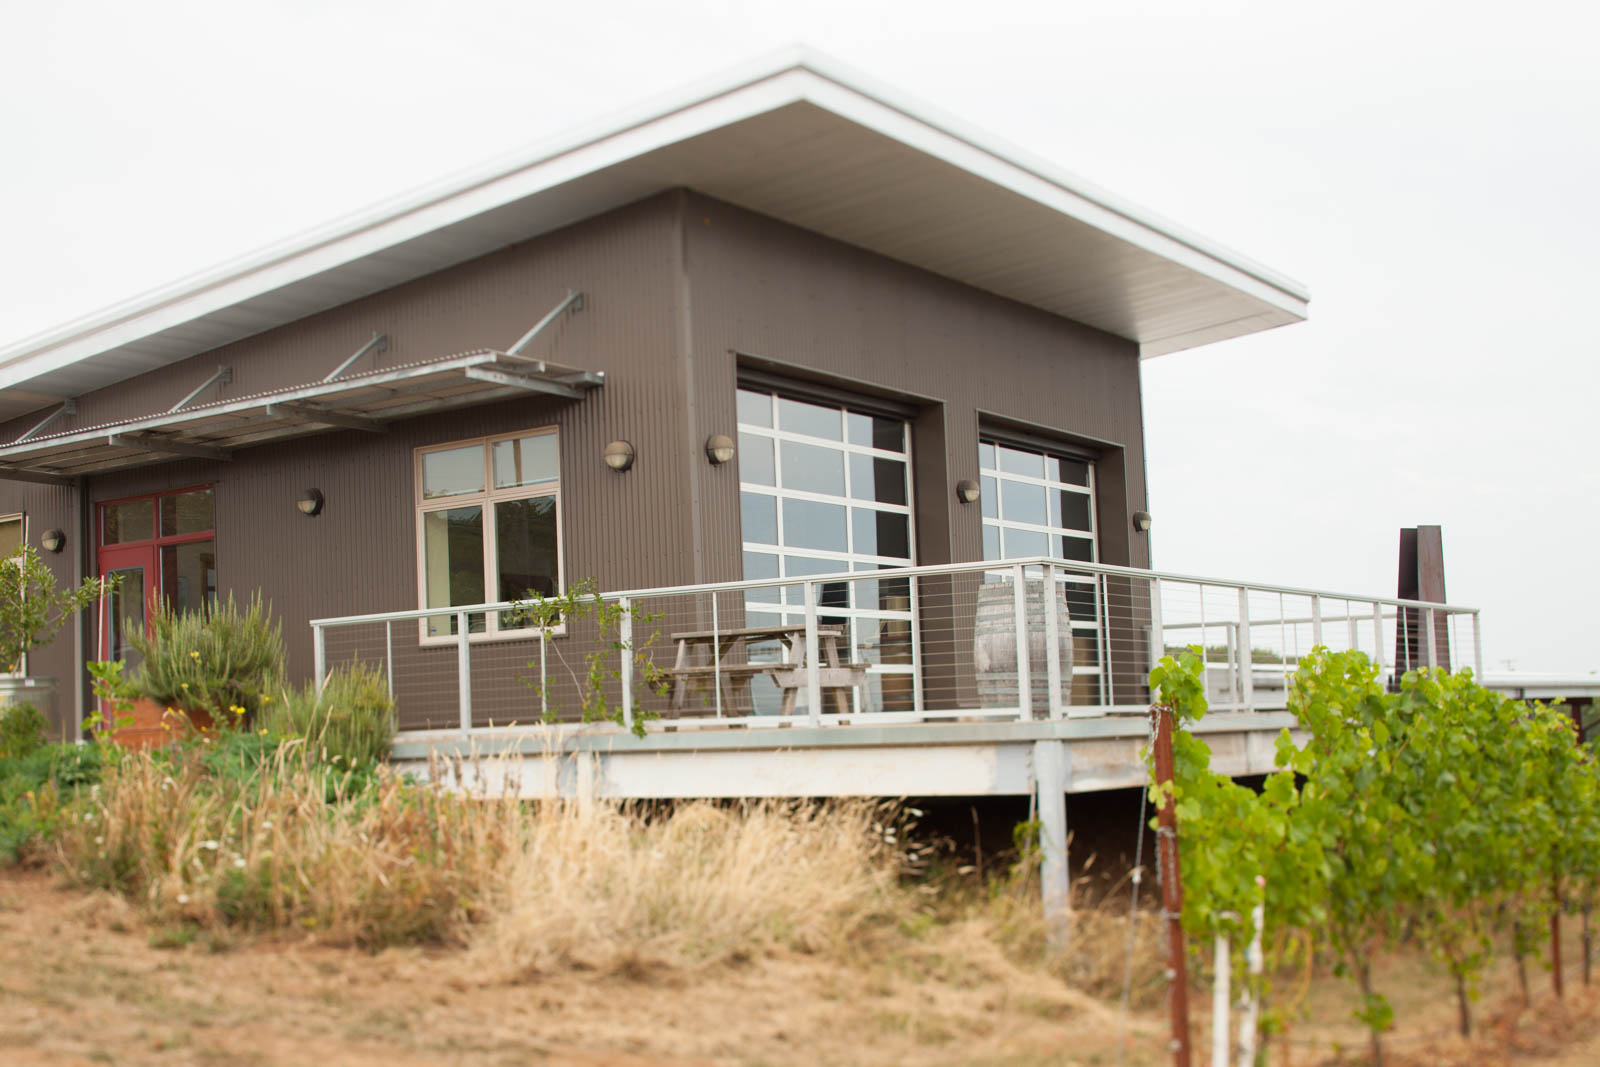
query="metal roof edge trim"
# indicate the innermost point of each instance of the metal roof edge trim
(788, 76)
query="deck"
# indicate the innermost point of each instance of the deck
(902, 682)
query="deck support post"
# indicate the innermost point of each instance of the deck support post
(319, 651)
(1050, 774)
(464, 671)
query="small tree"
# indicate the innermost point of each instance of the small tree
(32, 609)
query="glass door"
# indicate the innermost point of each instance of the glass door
(126, 609)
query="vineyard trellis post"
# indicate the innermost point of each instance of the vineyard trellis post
(1171, 883)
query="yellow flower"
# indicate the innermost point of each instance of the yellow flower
(266, 700)
(184, 685)
(194, 655)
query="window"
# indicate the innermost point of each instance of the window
(824, 489)
(11, 536)
(488, 527)
(1038, 503)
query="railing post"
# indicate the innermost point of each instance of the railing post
(464, 670)
(388, 655)
(1019, 588)
(1158, 636)
(1052, 647)
(716, 655)
(1247, 682)
(1377, 634)
(1316, 624)
(813, 679)
(1428, 633)
(625, 639)
(1477, 649)
(544, 679)
(319, 655)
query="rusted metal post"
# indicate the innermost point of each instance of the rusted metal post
(1555, 942)
(1171, 887)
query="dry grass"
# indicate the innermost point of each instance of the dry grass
(601, 886)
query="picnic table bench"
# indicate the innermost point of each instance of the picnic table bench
(706, 654)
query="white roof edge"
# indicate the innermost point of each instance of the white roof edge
(831, 84)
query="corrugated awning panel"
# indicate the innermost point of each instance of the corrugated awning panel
(365, 400)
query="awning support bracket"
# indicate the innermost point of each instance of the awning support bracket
(156, 443)
(222, 375)
(574, 301)
(522, 381)
(68, 407)
(325, 417)
(379, 343)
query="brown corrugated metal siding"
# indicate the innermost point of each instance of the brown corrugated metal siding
(679, 291)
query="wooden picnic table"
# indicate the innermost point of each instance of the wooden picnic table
(706, 654)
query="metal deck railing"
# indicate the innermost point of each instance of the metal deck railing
(905, 644)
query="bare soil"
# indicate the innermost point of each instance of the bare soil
(84, 980)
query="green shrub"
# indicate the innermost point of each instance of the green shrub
(22, 729)
(349, 725)
(36, 789)
(226, 662)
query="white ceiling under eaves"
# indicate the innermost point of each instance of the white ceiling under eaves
(794, 138)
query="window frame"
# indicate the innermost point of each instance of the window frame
(486, 498)
(21, 519)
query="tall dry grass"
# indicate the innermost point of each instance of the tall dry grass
(536, 886)
(596, 884)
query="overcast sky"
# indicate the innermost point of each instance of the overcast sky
(1431, 171)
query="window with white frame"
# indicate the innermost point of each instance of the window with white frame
(1041, 503)
(825, 488)
(488, 527)
(12, 536)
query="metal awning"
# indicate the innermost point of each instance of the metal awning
(362, 401)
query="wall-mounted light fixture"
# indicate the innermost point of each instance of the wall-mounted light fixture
(1141, 521)
(719, 448)
(967, 491)
(53, 541)
(310, 502)
(618, 455)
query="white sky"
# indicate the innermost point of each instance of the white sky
(1431, 171)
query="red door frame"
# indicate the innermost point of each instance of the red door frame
(145, 553)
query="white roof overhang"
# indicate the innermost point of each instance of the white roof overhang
(796, 138)
(362, 401)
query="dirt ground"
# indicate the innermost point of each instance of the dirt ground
(82, 980)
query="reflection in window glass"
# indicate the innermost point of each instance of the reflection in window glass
(760, 565)
(755, 460)
(133, 520)
(809, 524)
(526, 550)
(525, 461)
(1024, 543)
(813, 420)
(875, 431)
(1072, 510)
(452, 547)
(189, 575)
(10, 537)
(452, 472)
(758, 518)
(878, 479)
(1016, 461)
(755, 409)
(1023, 502)
(187, 513)
(812, 469)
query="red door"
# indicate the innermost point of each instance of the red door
(127, 608)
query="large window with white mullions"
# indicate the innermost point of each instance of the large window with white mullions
(488, 527)
(826, 489)
(1041, 503)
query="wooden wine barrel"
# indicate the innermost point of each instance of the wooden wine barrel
(994, 646)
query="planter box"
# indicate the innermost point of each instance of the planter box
(153, 725)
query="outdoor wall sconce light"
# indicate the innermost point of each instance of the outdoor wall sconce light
(967, 491)
(310, 502)
(719, 449)
(1141, 521)
(618, 456)
(53, 541)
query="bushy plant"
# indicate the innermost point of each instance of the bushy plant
(22, 729)
(32, 609)
(228, 661)
(350, 724)
(36, 790)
